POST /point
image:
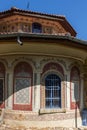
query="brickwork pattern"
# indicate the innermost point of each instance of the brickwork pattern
(24, 24)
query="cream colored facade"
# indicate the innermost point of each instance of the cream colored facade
(58, 54)
(26, 53)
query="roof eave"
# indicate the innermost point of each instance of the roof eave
(43, 36)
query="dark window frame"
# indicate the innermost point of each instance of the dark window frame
(36, 28)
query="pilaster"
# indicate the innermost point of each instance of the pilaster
(68, 90)
(9, 90)
(37, 91)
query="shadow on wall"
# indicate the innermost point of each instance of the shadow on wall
(21, 90)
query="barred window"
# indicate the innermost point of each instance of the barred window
(52, 91)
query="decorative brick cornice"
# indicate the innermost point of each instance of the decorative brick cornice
(61, 19)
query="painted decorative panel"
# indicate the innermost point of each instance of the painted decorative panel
(75, 87)
(75, 91)
(22, 99)
(22, 90)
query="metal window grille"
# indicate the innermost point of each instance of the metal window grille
(53, 91)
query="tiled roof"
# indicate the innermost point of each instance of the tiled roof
(61, 19)
(14, 9)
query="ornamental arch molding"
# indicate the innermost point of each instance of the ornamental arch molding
(60, 62)
(5, 63)
(50, 72)
(23, 59)
(79, 65)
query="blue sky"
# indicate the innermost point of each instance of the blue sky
(74, 10)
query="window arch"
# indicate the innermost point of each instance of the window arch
(36, 28)
(23, 86)
(52, 91)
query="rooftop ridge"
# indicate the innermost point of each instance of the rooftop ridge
(13, 9)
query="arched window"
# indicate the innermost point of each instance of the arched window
(22, 86)
(36, 28)
(52, 91)
(2, 85)
(75, 87)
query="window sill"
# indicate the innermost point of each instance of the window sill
(52, 111)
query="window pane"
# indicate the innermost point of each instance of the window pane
(36, 28)
(53, 91)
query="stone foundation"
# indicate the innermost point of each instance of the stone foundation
(20, 120)
(37, 128)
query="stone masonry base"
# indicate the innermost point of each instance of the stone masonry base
(17, 120)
